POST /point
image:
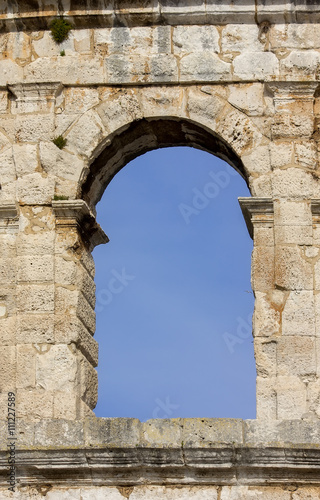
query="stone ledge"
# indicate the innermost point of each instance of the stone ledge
(225, 465)
(38, 15)
(125, 451)
(77, 212)
(179, 433)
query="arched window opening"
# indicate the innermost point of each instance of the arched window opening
(174, 300)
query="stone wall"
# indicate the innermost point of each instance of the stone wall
(239, 81)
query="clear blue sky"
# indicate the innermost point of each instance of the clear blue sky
(174, 300)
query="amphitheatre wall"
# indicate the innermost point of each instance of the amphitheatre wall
(240, 80)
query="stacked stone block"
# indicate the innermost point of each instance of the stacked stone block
(237, 79)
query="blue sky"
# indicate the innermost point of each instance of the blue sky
(174, 301)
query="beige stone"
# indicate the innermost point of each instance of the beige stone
(262, 268)
(35, 328)
(259, 65)
(266, 399)
(26, 360)
(291, 397)
(25, 158)
(292, 270)
(56, 369)
(248, 493)
(296, 356)
(35, 189)
(236, 79)
(206, 67)
(298, 317)
(267, 313)
(35, 269)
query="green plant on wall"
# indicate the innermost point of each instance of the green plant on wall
(59, 141)
(60, 29)
(60, 197)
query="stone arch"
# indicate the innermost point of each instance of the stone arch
(129, 122)
(145, 135)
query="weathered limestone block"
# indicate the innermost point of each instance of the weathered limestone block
(292, 183)
(119, 108)
(206, 68)
(263, 268)
(300, 65)
(236, 38)
(35, 268)
(267, 399)
(56, 368)
(281, 152)
(60, 163)
(296, 356)
(78, 100)
(3, 101)
(70, 330)
(35, 298)
(7, 327)
(268, 313)
(187, 39)
(26, 360)
(68, 69)
(10, 72)
(35, 328)
(35, 405)
(238, 131)
(7, 368)
(293, 222)
(293, 271)
(295, 36)
(306, 154)
(266, 357)
(25, 158)
(87, 133)
(151, 102)
(245, 493)
(203, 107)
(248, 98)
(291, 397)
(259, 65)
(298, 317)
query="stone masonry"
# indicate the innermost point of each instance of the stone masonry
(239, 79)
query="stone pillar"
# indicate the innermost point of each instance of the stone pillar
(47, 318)
(285, 263)
(285, 269)
(259, 216)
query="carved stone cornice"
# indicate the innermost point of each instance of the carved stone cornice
(288, 91)
(8, 216)
(76, 213)
(117, 452)
(85, 14)
(256, 211)
(34, 97)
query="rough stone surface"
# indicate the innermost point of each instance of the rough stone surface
(237, 79)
